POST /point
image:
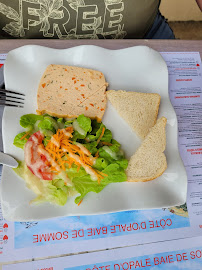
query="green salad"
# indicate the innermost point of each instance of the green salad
(64, 157)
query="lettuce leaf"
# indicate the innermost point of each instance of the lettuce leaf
(111, 158)
(68, 123)
(48, 191)
(91, 147)
(18, 142)
(46, 140)
(115, 174)
(28, 120)
(123, 163)
(72, 172)
(48, 124)
(107, 137)
(100, 164)
(77, 135)
(115, 147)
(96, 132)
(60, 122)
(85, 185)
(59, 183)
(112, 152)
(20, 169)
(53, 194)
(84, 123)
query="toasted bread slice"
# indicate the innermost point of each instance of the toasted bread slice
(139, 110)
(66, 91)
(149, 161)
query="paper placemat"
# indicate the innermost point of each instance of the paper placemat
(172, 255)
(26, 240)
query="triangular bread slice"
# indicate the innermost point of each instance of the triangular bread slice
(149, 161)
(139, 110)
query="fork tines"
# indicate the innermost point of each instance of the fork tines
(11, 98)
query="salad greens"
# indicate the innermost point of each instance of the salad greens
(19, 141)
(52, 191)
(84, 184)
(109, 159)
(28, 121)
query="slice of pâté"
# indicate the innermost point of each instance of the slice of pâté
(68, 91)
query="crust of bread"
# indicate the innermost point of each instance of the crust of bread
(136, 163)
(157, 110)
(149, 179)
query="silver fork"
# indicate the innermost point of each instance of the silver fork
(11, 98)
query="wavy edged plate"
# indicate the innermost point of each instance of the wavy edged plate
(137, 68)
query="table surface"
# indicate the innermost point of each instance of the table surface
(159, 45)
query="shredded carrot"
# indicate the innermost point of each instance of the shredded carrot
(43, 85)
(107, 143)
(104, 174)
(60, 153)
(97, 153)
(87, 160)
(24, 136)
(52, 152)
(98, 173)
(69, 129)
(80, 202)
(54, 169)
(101, 135)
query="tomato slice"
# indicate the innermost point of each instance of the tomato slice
(35, 161)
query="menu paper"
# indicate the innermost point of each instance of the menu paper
(2, 60)
(26, 240)
(172, 255)
(185, 88)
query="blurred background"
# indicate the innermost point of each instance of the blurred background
(184, 17)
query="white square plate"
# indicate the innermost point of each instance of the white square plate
(133, 69)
